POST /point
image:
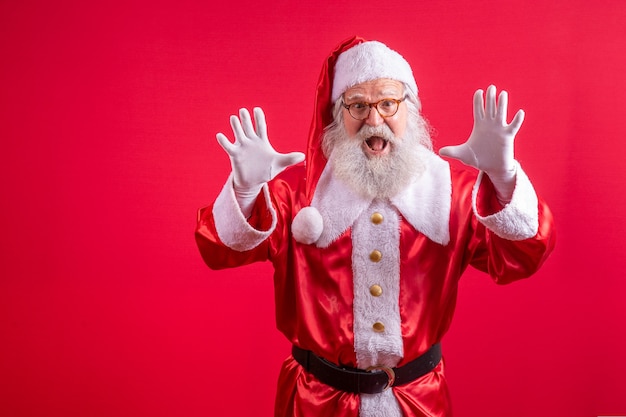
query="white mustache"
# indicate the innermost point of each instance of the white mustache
(382, 131)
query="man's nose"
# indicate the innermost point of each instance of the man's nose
(374, 118)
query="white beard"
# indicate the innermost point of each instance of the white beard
(377, 176)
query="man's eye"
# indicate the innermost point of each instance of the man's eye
(358, 106)
(387, 104)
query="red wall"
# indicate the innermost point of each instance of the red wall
(108, 115)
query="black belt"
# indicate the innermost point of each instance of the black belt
(371, 381)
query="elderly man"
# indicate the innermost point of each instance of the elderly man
(368, 242)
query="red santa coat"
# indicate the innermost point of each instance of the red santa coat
(443, 222)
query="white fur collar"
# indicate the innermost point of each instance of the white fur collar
(425, 203)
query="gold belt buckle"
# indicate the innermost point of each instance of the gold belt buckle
(391, 375)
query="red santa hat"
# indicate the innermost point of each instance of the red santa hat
(353, 61)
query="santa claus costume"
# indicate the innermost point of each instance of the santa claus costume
(368, 283)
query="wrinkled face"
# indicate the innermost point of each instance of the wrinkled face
(377, 157)
(372, 92)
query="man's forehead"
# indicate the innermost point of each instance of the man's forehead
(377, 87)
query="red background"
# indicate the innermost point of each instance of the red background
(108, 115)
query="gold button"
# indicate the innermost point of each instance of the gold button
(376, 218)
(378, 327)
(376, 290)
(376, 256)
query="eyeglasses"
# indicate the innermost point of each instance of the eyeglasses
(386, 107)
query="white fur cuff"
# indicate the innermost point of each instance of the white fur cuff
(232, 227)
(519, 219)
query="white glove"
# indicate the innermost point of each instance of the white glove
(253, 159)
(490, 145)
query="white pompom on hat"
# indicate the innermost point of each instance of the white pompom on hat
(369, 61)
(307, 226)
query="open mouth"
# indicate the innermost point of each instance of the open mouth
(377, 143)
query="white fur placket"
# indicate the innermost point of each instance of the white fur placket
(376, 269)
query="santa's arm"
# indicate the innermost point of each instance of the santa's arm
(519, 228)
(254, 163)
(220, 250)
(514, 240)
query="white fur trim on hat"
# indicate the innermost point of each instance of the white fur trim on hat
(369, 61)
